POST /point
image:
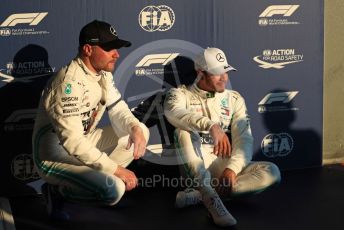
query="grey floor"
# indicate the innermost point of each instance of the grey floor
(306, 199)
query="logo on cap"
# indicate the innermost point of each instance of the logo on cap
(113, 31)
(220, 57)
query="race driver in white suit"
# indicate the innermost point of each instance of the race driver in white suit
(79, 161)
(214, 141)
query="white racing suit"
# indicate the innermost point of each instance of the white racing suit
(193, 111)
(69, 151)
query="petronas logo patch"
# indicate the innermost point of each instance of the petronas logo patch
(68, 89)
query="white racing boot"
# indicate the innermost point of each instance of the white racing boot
(211, 200)
(188, 197)
(217, 209)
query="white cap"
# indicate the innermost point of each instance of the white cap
(213, 61)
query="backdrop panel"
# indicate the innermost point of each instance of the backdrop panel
(277, 46)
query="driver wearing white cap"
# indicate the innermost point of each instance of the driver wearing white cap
(214, 140)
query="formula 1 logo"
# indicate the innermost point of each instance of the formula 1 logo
(29, 20)
(150, 59)
(156, 18)
(283, 97)
(162, 59)
(26, 18)
(285, 10)
(20, 120)
(279, 100)
(22, 114)
(278, 15)
(277, 145)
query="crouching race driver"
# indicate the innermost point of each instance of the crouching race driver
(79, 161)
(214, 141)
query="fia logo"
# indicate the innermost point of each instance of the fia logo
(277, 145)
(23, 167)
(156, 18)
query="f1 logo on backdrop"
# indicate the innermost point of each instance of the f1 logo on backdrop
(280, 100)
(20, 120)
(156, 59)
(285, 10)
(25, 18)
(29, 20)
(156, 18)
(283, 97)
(278, 15)
(150, 59)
